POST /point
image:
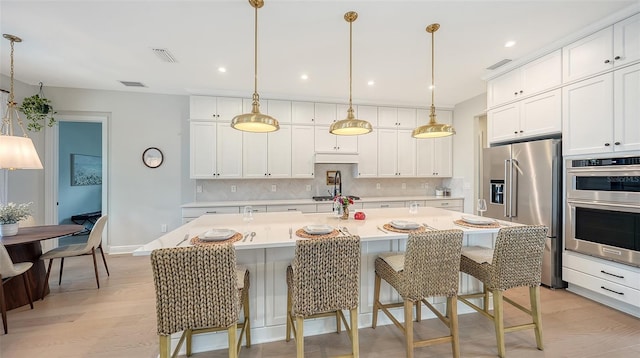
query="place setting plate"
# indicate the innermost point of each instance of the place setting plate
(216, 236)
(403, 226)
(477, 222)
(317, 231)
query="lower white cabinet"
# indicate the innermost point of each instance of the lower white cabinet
(607, 282)
(449, 204)
(304, 208)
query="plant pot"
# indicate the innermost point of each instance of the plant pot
(8, 229)
(345, 212)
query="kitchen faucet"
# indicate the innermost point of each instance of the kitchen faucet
(337, 180)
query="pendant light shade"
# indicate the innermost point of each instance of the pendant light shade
(15, 152)
(350, 125)
(255, 121)
(433, 129)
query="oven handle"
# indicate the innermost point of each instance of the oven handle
(599, 204)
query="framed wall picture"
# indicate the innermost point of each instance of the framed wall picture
(86, 170)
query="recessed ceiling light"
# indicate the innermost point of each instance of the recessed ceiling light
(222, 69)
(509, 44)
(371, 83)
(304, 77)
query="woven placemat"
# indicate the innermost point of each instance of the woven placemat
(302, 233)
(196, 241)
(404, 231)
(479, 226)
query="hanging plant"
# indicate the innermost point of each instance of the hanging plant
(38, 111)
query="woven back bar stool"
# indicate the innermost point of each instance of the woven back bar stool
(516, 261)
(323, 280)
(428, 268)
(200, 289)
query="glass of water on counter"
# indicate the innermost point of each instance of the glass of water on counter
(482, 206)
(247, 214)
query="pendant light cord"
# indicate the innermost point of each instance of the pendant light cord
(433, 86)
(256, 97)
(350, 60)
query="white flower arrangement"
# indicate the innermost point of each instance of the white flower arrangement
(12, 212)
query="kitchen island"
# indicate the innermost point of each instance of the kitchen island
(272, 250)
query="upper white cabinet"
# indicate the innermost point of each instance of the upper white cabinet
(536, 76)
(326, 142)
(280, 110)
(367, 113)
(302, 151)
(392, 117)
(396, 153)
(367, 155)
(206, 108)
(325, 113)
(302, 112)
(531, 117)
(601, 113)
(267, 155)
(611, 47)
(434, 155)
(216, 150)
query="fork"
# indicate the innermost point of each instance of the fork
(290, 233)
(346, 231)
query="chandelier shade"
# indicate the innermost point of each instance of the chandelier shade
(255, 121)
(433, 129)
(350, 125)
(16, 152)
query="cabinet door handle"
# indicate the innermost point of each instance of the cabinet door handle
(521, 131)
(515, 132)
(515, 93)
(444, 204)
(384, 205)
(607, 144)
(610, 290)
(212, 212)
(617, 58)
(617, 143)
(607, 61)
(611, 274)
(521, 91)
(291, 209)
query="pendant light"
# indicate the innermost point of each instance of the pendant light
(433, 129)
(350, 125)
(15, 152)
(255, 121)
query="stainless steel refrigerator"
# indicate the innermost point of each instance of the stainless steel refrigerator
(522, 183)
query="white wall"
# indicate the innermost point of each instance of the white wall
(465, 149)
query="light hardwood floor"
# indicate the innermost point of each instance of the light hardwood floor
(118, 320)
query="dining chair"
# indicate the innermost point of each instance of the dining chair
(322, 281)
(429, 267)
(200, 289)
(9, 270)
(516, 261)
(88, 248)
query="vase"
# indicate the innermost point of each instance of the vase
(8, 229)
(345, 212)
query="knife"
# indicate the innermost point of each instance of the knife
(429, 227)
(186, 236)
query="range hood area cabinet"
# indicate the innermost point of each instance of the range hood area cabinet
(219, 152)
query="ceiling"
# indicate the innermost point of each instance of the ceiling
(95, 44)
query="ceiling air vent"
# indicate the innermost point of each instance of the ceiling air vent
(132, 84)
(164, 55)
(498, 64)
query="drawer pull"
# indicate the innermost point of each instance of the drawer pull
(610, 290)
(611, 274)
(444, 204)
(384, 205)
(291, 209)
(212, 212)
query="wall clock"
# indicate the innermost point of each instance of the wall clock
(152, 157)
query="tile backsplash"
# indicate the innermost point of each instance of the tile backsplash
(261, 189)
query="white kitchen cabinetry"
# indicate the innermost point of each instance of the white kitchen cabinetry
(367, 113)
(396, 153)
(302, 151)
(392, 117)
(206, 108)
(267, 155)
(434, 155)
(302, 112)
(607, 282)
(367, 156)
(304, 208)
(611, 47)
(531, 117)
(534, 77)
(601, 113)
(280, 110)
(449, 204)
(326, 142)
(325, 113)
(216, 150)
(383, 204)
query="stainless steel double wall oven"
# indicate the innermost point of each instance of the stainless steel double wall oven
(603, 208)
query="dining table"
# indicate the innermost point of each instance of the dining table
(25, 246)
(265, 245)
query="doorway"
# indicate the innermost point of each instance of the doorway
(76, 172)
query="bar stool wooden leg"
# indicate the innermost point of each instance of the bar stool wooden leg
(338, 322)
(355, 342)
(233, 349)
(418, 311)
(498, 320)
(376, 300)
(247, 319)
(408, 327)
(534, 296)
(452, 314)
(189, 334)
(165, 346)
(289, 319)
(299, 337)
(485, 301)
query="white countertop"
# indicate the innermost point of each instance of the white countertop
(272, 229)
(200, 204)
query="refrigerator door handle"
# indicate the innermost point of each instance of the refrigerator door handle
(507, 193)
(513, 194)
